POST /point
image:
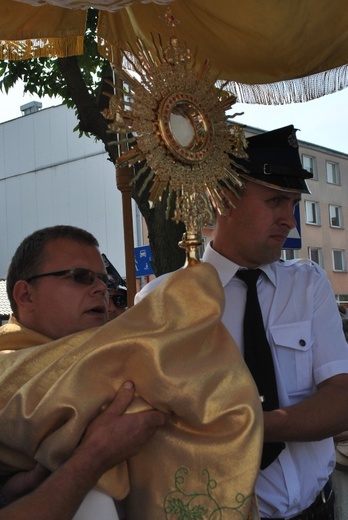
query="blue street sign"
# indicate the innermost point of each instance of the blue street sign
(294, 238)
(143, 258)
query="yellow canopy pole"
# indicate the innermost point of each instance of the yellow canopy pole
(124, 176)
(123, 180)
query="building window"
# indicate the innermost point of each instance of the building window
(312, 212)
(289, 254)
(310, 164)
(333, 173)
(339, 260)
(335, 213)
(342, 298)
(316, 255)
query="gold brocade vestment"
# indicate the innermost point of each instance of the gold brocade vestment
(183, 361)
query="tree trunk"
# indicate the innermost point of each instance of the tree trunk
(164, 234)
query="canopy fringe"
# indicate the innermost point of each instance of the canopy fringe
(41, 48)
(297, 90)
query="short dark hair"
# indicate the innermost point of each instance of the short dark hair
(30, 253)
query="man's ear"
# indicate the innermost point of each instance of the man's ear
(22, 294)
(229, 199)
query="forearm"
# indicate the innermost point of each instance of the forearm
(59, 496)
(322, 415)
(111, 438)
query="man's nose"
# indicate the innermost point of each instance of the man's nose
(99, 286)
(288, 218)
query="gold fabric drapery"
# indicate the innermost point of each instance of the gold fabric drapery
(304, 44)
(182, 360)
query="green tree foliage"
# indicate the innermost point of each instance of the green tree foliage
(79, 81)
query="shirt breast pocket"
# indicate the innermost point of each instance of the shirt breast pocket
(293, 349)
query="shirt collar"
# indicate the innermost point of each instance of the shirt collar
(227, 269)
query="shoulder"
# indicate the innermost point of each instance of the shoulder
(300, 264)
(149, 287)
(298, 274)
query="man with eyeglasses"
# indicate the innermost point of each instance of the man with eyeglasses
(46, 277)
(57, 286)
(62, 361)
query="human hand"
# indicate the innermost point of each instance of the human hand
(23, 482)
(113, 436)
(110, 438)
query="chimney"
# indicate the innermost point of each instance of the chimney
(31, 107)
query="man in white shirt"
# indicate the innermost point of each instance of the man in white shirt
(302, 324)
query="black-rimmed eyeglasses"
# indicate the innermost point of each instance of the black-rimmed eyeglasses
(78, 275)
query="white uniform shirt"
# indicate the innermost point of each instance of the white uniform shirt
(305, 334)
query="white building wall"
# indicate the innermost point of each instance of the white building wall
(49, 176)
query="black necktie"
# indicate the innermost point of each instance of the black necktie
(258, 357)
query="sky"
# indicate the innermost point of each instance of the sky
(323, 121)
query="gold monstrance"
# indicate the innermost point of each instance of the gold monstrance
(177, 120)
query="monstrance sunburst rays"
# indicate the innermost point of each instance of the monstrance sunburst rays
(177, 122)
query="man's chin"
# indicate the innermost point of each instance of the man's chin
(93, 320)
(271, 256)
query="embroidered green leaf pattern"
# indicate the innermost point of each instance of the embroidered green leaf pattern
(177, 507)
(183, 503)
